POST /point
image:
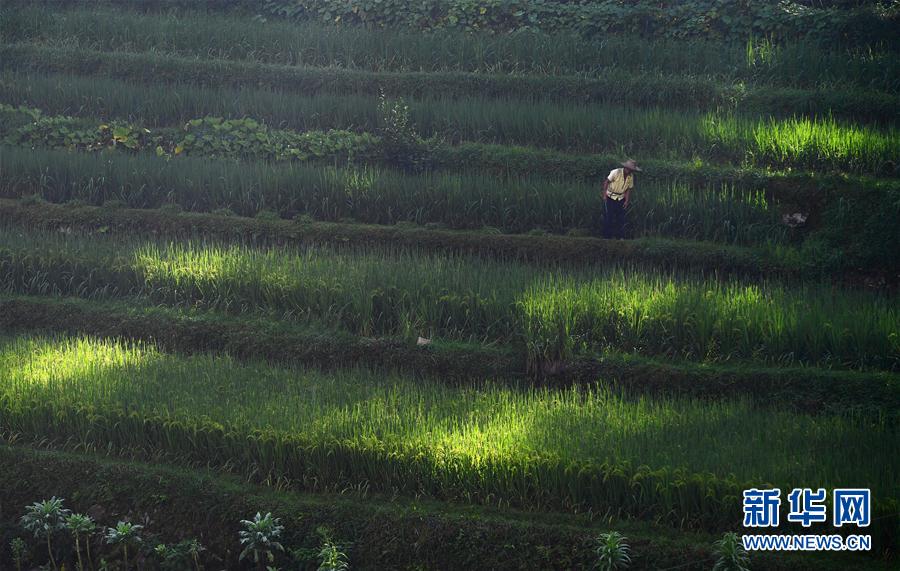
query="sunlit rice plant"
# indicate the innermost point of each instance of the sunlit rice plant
(652, 313)
(533, 447)
(558, 312)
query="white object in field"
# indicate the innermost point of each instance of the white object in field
(795, 219)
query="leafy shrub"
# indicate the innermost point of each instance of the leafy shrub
(215, 136)
(125, 534)
(209, 136)
(400, 143)
(44, 519)
(81, 527)
(26, 126)
(260, 538)
(13, 118)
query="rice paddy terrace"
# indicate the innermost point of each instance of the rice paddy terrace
(353, 275)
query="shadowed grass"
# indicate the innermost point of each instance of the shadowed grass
(633, 88)
(240, 38)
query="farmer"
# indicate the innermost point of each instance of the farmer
(617, 192)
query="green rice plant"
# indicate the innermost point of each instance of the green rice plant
(375, 293)
(656, 314)
(801, 141)
(581, 448)
(558, 312)
(248, 139)
(570, 126)
(636, 89)
(375, 195)
(204, 34)
(809, 389)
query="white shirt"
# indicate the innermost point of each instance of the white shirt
(618, 184)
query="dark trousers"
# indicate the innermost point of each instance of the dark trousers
(614, 221)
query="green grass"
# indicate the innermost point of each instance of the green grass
(376, 195)
(246, 337)
(715, 118)
(774, 260)
(632, 88)
(654, 314)
(794, 186)
(801, 64)
(796, 142)
(534, 447)
(557, 312)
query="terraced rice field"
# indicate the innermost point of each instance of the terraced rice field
(364, 263)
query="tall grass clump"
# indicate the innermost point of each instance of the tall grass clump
(566, 448)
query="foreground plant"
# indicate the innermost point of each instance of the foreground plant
(81, 526)
(44, 519)
(182, 555)
(732, 555)
(124, 534)
(19, 552)
(260, 538)
(612, 551)
(331, 556)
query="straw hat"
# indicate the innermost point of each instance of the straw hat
(631, 165)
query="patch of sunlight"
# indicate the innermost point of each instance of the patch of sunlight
(73, 369)
(189, 265)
